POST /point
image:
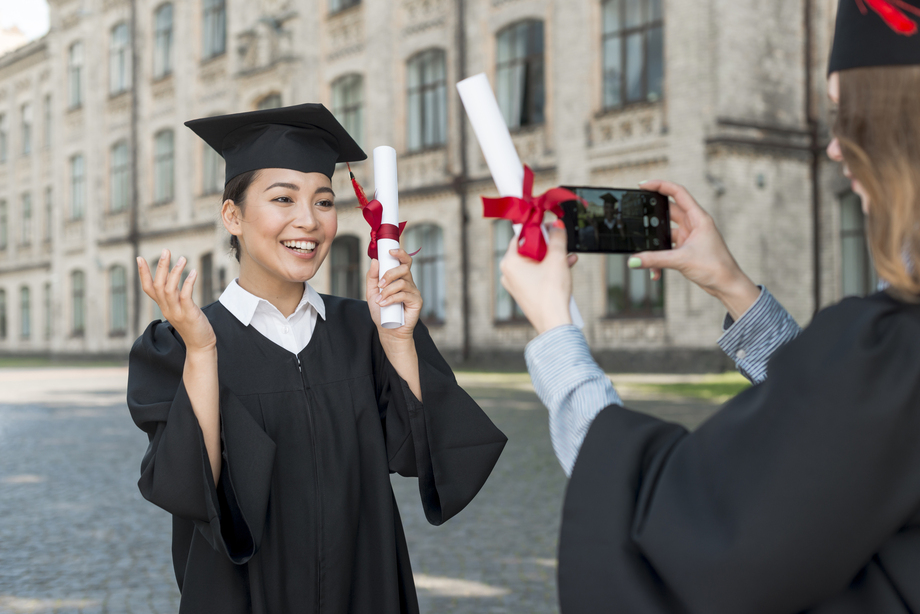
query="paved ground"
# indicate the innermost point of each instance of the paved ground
(76, 536)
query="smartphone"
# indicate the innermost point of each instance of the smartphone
(616, 220)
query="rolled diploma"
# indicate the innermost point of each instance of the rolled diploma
(391, 316)
(498, 148)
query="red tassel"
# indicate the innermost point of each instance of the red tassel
(359, 191)
(896, 20)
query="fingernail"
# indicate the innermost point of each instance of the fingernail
(643, 181)
(634, 263)
(651, 275)
(181, 261)
(163, 254)
(559, 224)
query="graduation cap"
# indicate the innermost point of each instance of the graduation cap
(304, 137)
(876, 33)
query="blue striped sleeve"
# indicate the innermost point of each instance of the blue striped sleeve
(571, 385)
(763, 329)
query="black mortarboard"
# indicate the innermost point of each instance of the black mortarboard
(876, 33)
(305, 137)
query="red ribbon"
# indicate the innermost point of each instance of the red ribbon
(373, 213)
(528, 211)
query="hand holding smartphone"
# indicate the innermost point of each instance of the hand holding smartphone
(616, 220)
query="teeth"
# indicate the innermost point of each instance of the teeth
(301, 245)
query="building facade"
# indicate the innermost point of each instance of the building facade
(727, 98)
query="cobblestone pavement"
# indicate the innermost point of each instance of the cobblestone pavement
(76, 536)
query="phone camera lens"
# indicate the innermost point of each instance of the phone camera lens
(654, 222)
(654, 201)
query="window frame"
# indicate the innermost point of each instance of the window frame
(429, 264)
(214, 29)
(75, 62)
(349, 270)
(624, 32)
(164, 167)
(534, 63)
(26, 115)
(3, 315)
(25, 313)
(119, 177)
(4, 224)
(118, 302)
(649, 310)
(349, 113)
(337, 6)
(78, 303)
(437, 87)
(25, 238)
(499, 249)
(163, 41)
(77, 187)
(119, 59)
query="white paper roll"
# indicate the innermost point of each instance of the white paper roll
(498, 148)
(391, 316)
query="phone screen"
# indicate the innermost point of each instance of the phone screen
(617, 220)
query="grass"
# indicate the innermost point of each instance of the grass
(717, 388)
(37, 362)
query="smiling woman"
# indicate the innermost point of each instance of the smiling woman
(276, 415)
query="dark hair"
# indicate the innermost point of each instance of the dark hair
(235, 190)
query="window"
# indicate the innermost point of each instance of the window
(48, 313)
(214, 37)
(78, 303)
(120, 187)
(272, 101)
(118, 300)
(2, 314)
(633, 51)
(630, 292)
(49, 214)
(344, 265)
(77, 187)
(119, 60)
(427, 98)
(162, 41)
(163, 167)
(26, 113)
(212, 176)
(26, 238)
(47, 110)
(506, 309)
(858, 274)
(340, 5)
(75, 75)
(4, 225)
(428, 267)
(4, 138)
(519, 73)
(25, 313)
(347, 104)
(207, 279)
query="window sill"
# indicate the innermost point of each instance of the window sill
(113, 334)
(162, 203)
(527, 129)
(156, 80)
(513, 322)
(343, 10)
(118, 94)
(213, 58)
(633, 316)
(629, 106)
(426, 150)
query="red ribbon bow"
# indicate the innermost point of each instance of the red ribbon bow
(373, 213)
(528, 211)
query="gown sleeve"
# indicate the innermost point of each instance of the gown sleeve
(773, 505)
(176, 472)
(448, 442)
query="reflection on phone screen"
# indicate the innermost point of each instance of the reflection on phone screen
(611, 220)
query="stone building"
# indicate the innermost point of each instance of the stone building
(726, 98)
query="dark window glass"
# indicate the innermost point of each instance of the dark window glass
(506, 309)
(25, 312)
(120, 187)
(633, 51)
(272, 101)
(630, 292)
(2, 314)
(163, 167)
(427, 100)
(519, 73)
(207, 279)
(163, 41)
(214, 36)
(428, 268)
(78, 303)
(858, 276)
(344, 267)
(339, 5)
(348, 105)
(118, 300)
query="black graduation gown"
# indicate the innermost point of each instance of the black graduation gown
(800, 494)
(303, 518)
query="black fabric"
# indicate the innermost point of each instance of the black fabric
(305, 137)
(863, 37)
(303, 518)
(802, 494)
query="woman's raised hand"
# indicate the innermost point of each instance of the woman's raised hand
(699, 252)
(397, 286)
(176, 303)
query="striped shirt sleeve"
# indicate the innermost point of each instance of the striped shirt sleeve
(571, 385)
(763, 329)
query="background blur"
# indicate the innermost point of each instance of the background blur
(726, 97)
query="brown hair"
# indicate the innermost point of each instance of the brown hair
(235, 190)
(878, 124)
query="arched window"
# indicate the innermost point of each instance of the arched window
(163, 41)
(630, 292)
(427, 100)
(77, 187)
(214, 35)
(118, 300)
(348, 105)
(2, 314)
(163, 166)
(120, 187)
(428, 268)
(858, 276)
(506, 309)
(345, 275)
(271, 101)
(25, 312)
(75, 75)
(519, 79)
(78, 303)
(119, 59)
(633, 51)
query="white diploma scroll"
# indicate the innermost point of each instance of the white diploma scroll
(391, 316)
(498, 148)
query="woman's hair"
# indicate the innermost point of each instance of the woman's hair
(235, 190)
(878, 124)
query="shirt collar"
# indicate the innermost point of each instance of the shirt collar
(243, 304)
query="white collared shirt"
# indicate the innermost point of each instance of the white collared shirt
(293, 333)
